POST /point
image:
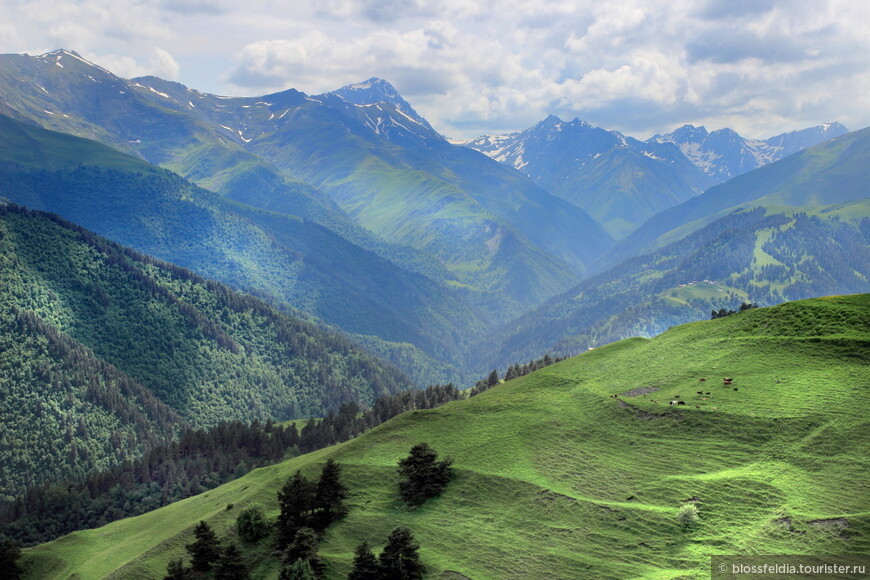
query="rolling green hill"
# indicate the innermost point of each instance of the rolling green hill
(579, 470)
(107, 352)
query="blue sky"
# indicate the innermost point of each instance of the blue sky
(761, 67)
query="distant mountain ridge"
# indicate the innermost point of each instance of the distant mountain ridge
(370, 161)
(621, 181)
(836, 171)
(724, 154)
(797, 228)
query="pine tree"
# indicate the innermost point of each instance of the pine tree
(365, 565)
(296, 500)
(492, 379)
(176, 570)
(298, 570)
(330, 495)
(304, 547)
(230, 565)
(423, 476)
(206, 550)
(400, 559)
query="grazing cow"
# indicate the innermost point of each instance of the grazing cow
(699, 392)
(681, 402)
(702, 380)
(706, 393)
(735, 388)
(726, 380)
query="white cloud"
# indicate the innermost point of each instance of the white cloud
(640, 66)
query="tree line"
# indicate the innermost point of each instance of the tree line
(200, 460)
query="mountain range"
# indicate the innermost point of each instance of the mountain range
(325, 198)
(793, 229)
(173, 260)
(621, 181)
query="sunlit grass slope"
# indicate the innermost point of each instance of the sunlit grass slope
(557, 478)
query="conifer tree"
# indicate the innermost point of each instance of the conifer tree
(423, 476)
(365, 565)
(330, 496)
(230, 565)
(298, 570)
(304, 547)
(206, 550)
(176, 570)
(400, 559)
(296, 500)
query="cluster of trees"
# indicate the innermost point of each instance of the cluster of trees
(422, 477)
(9, 556)
(306, 509)
(514, 371)
(722, 312)
(206, 554)
(199, 461)
(306, 504)
(399, 560)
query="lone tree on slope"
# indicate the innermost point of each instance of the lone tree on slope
(423, 476)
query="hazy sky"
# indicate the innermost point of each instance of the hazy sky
(761, 67)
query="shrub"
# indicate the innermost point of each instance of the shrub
(251, 523)
(688, 515)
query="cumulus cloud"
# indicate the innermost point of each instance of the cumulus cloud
(640, 66)
(158, 62)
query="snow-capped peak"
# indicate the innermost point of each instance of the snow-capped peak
(58, 54)
(369, 92)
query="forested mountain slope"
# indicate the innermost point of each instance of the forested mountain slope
(107, 352)
(763, 256)
(836, 171)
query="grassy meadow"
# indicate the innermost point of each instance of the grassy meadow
(578, 470)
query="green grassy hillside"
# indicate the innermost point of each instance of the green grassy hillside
(564, 474)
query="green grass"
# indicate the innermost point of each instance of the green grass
(556, 478)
